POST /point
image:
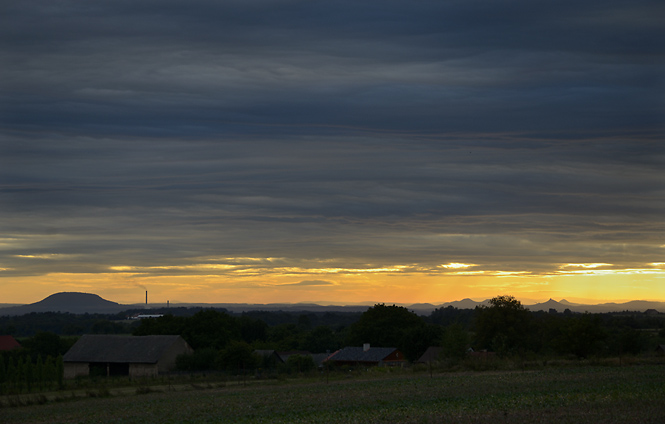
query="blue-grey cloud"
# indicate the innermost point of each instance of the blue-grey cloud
(214, 69)
(158, 132)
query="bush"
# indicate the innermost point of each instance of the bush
(300, 364)
(238, 356)
(200, 360)
(99, 392)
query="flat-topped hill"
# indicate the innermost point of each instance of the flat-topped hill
(72, 302)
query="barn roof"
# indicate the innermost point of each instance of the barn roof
(8, 343)
(285, 354)
(358, 354)
(433, 353)
(129, 349)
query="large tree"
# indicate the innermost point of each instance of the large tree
(505, 326)
(581, 336)
(206, 328)
(393, 326)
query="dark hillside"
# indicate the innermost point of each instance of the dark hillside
(72, 302)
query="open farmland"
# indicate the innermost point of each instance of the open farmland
(566, 395)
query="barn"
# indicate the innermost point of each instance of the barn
(367, 356)
(133, 356)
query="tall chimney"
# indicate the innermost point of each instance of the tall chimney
(146, 298)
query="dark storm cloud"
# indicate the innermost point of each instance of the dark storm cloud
(163, 132)
(126, 67)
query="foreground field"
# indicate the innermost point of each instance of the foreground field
(571, 395)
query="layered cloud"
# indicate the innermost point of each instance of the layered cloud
(154, 138)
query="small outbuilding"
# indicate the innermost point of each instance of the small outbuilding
(269, 358)
(432, 354)
(367, 356)
(133, 356)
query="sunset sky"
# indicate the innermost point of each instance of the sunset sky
(332, 151)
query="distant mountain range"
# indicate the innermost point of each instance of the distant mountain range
(634, 305)
(560, 306)
(81, 303)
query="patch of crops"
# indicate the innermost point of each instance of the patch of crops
(579, 395)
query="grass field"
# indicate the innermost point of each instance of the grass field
(634, 394)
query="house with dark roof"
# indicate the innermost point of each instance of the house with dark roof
(133, 356)
(367, 356)
(319, 359)
(8, 343)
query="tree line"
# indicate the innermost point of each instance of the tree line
(508, 328)
(504, 327)
(65, 324)
(223, 340)
(37, 365)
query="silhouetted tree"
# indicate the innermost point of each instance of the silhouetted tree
(321, 339)
(392, 326)
(206, 328)
(60, 371)
(39, 371)
(3, 372)
(47, 344)
(252, 329)
(163, 326)
(210, 328)
(629, 341)
(50, 370)
(300, 363)
(286, 336)
(504, 326)
(201, 359)
(238, 355)
(455, 342)
(104, 326)
(451, 315)
(582, 336)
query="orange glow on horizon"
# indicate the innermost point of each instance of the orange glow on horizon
(402, 284)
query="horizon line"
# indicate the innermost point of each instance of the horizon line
(583, 302)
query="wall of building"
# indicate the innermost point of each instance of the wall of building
(142, 370)
(167, 362)
(75, 369)
(394, 358)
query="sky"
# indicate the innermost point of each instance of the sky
(265, 151)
